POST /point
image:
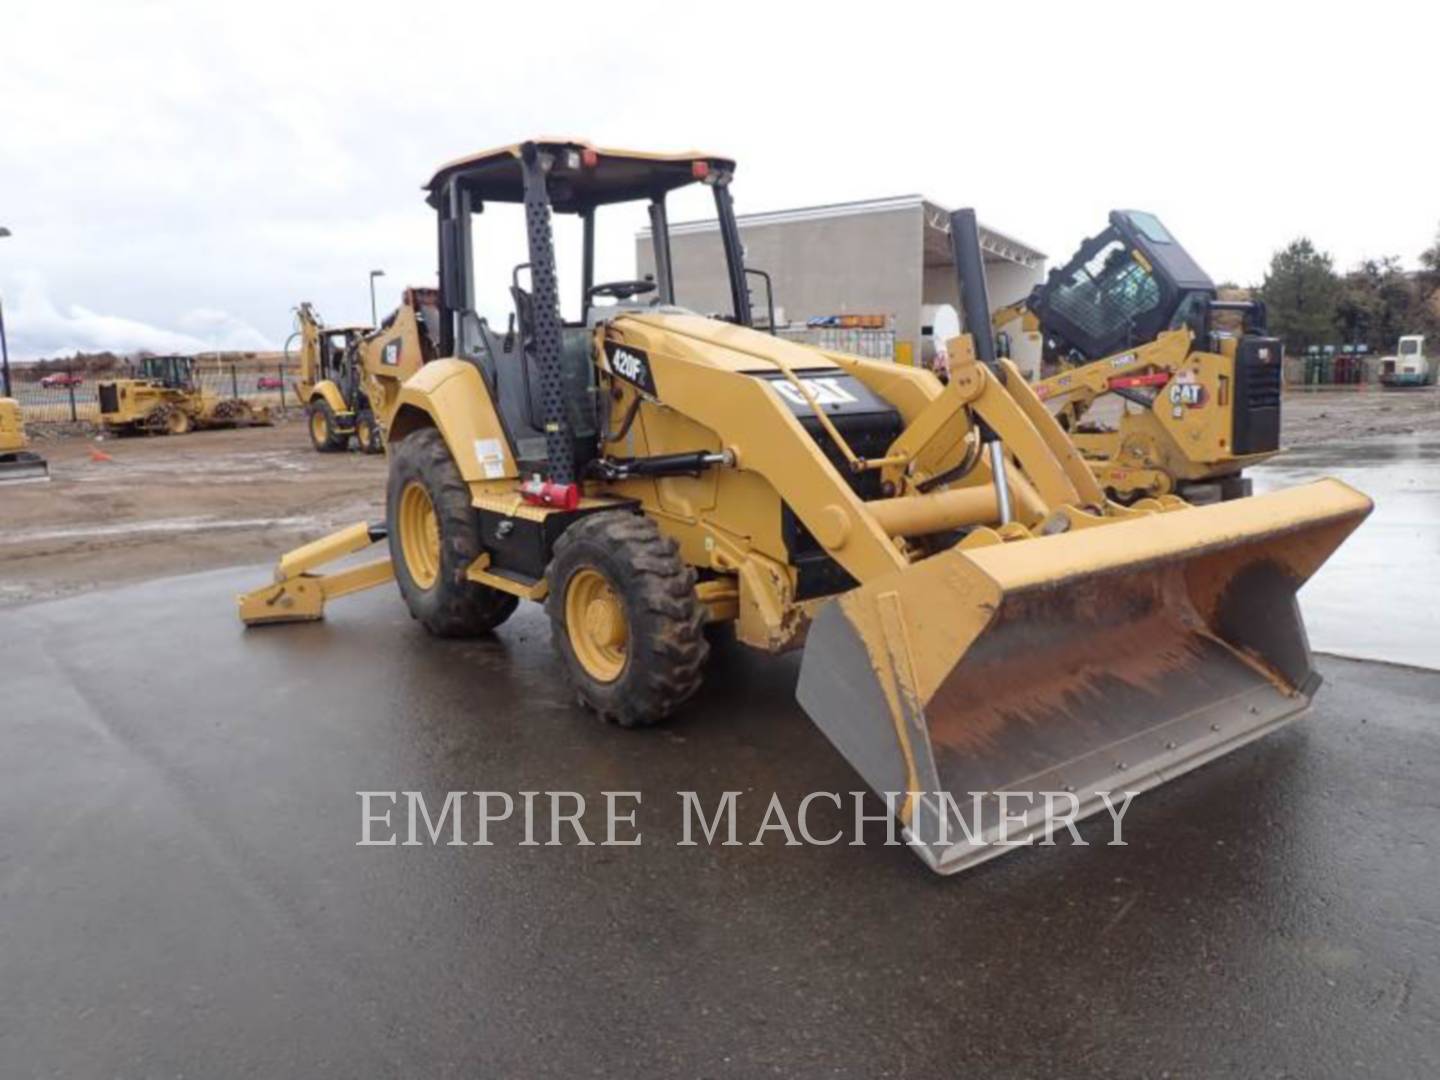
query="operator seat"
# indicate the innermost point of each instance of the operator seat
(515, 383)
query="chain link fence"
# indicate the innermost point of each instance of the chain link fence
(66, 397)
(873, 343)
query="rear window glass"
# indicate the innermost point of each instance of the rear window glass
(1149, 226)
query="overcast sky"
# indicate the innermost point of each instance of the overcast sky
(177, 178)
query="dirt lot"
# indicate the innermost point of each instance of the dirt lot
(1318, 416)
(162, 506)
(225, 498)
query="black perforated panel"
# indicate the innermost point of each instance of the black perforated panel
(545, 344)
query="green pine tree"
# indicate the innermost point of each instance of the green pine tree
(1301, 293)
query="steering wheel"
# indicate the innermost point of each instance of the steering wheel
(622, 290)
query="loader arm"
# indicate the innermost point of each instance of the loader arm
(1080, 648)
(1078, 387)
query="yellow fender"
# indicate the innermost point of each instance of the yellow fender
(452, 396)
(328, 391)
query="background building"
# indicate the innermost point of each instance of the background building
(885, 257)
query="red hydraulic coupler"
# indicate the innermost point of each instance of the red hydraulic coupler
(540, 492)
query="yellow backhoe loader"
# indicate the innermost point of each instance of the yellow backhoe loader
(166, 398)
(976, 616)
(350, 375)
(1131, 318)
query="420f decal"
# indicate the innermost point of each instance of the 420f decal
(630, 364)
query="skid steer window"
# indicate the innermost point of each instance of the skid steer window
(1191, 310)
(1149, 225)
(1107, 293)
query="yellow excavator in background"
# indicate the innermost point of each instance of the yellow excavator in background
(1131, 321)
(976, 616)
(349, 376)
(17, 461)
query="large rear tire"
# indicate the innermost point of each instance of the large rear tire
(325, 435)
(625, 619)
(434, 537)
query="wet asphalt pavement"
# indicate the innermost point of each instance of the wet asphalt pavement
(181, 892)
(1378, 598)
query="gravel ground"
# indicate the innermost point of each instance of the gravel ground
(121, 510)
(1314, 417)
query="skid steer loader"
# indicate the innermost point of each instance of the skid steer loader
(165, 398)
(976, 617)
(1132, 319)
(350, 375)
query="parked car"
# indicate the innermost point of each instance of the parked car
(269, 382)
(60, 379)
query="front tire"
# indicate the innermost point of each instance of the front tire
(324, 434)
(624, 618)
(434, 536)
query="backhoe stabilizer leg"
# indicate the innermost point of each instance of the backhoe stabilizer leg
(298, 594)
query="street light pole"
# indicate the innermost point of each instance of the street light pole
(374, 318)
(4, 348)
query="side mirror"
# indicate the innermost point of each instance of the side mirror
(769, 297)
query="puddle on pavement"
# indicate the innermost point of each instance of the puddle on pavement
(1378, 598)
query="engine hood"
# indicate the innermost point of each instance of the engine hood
(712, 341)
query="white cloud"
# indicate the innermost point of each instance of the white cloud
(35, 328)
(163, 158)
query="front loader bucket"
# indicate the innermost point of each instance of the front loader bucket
(1088, 664)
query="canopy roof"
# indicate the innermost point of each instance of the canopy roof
(583, 175)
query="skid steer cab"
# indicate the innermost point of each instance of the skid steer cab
(976, 616)
(1134, 321)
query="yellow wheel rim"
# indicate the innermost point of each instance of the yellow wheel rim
(362, 433)
(317, 426)
(595, 620)
(419, 534)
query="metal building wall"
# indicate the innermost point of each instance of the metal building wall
(877, 258)
(862, 263)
